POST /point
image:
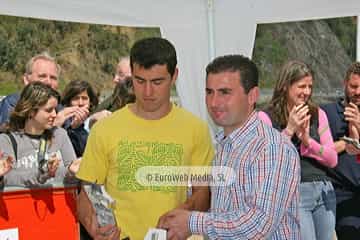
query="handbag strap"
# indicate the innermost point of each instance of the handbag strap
(13, 143)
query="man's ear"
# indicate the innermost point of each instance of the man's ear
(253, 95)
(175, 76)
(26, 79)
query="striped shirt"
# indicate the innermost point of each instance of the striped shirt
(262, 203)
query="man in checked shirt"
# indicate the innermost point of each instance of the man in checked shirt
(262, 202)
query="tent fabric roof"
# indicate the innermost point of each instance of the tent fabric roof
(185, 23)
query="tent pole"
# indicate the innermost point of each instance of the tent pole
(211, 35)
(212, 54)
(357, 39)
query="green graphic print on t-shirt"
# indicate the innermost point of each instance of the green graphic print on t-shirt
(133, 155)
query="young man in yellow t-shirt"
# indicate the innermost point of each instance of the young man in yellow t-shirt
(150, 132)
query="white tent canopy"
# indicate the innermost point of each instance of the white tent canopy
(199, 29)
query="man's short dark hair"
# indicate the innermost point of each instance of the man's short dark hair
(152, 51)
(249, 76)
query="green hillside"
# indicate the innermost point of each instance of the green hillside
(84, 51)
(328, 46)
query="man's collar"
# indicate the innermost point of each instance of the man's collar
(236, 134)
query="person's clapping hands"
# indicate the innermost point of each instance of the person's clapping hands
(80, 115)
(53, 164)
(352, 115)
(298, 117)
(64, 114)
(303, 132)
(6, 163)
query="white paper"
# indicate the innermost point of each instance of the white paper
(9, 234)
(155, 234)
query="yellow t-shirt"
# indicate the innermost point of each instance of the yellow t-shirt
(122, 143)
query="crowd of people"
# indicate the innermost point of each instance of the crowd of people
(295, 175)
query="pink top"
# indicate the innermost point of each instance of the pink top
(324, 152)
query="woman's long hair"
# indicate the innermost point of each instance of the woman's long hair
(76, 87)
(33, 96)
(290, 73)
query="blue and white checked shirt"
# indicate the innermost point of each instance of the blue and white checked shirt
(262, 203)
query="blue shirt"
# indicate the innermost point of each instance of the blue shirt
(346, 175)
(7, 105)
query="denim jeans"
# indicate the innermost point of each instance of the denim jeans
(317, 210)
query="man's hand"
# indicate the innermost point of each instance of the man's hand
(351, 149)
(108, 232)
(198, 201)
(353, 133)
(98, 116)
(352, 115)
(80, 115)
(64, 114)
(176, 222)
(87, 216)
(162, 220)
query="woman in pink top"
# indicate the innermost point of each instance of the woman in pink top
(292, 112)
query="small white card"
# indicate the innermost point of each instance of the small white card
(155, 234)
(9, 234)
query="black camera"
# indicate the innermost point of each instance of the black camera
(43, 174)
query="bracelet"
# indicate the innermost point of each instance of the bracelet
(321, 151)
